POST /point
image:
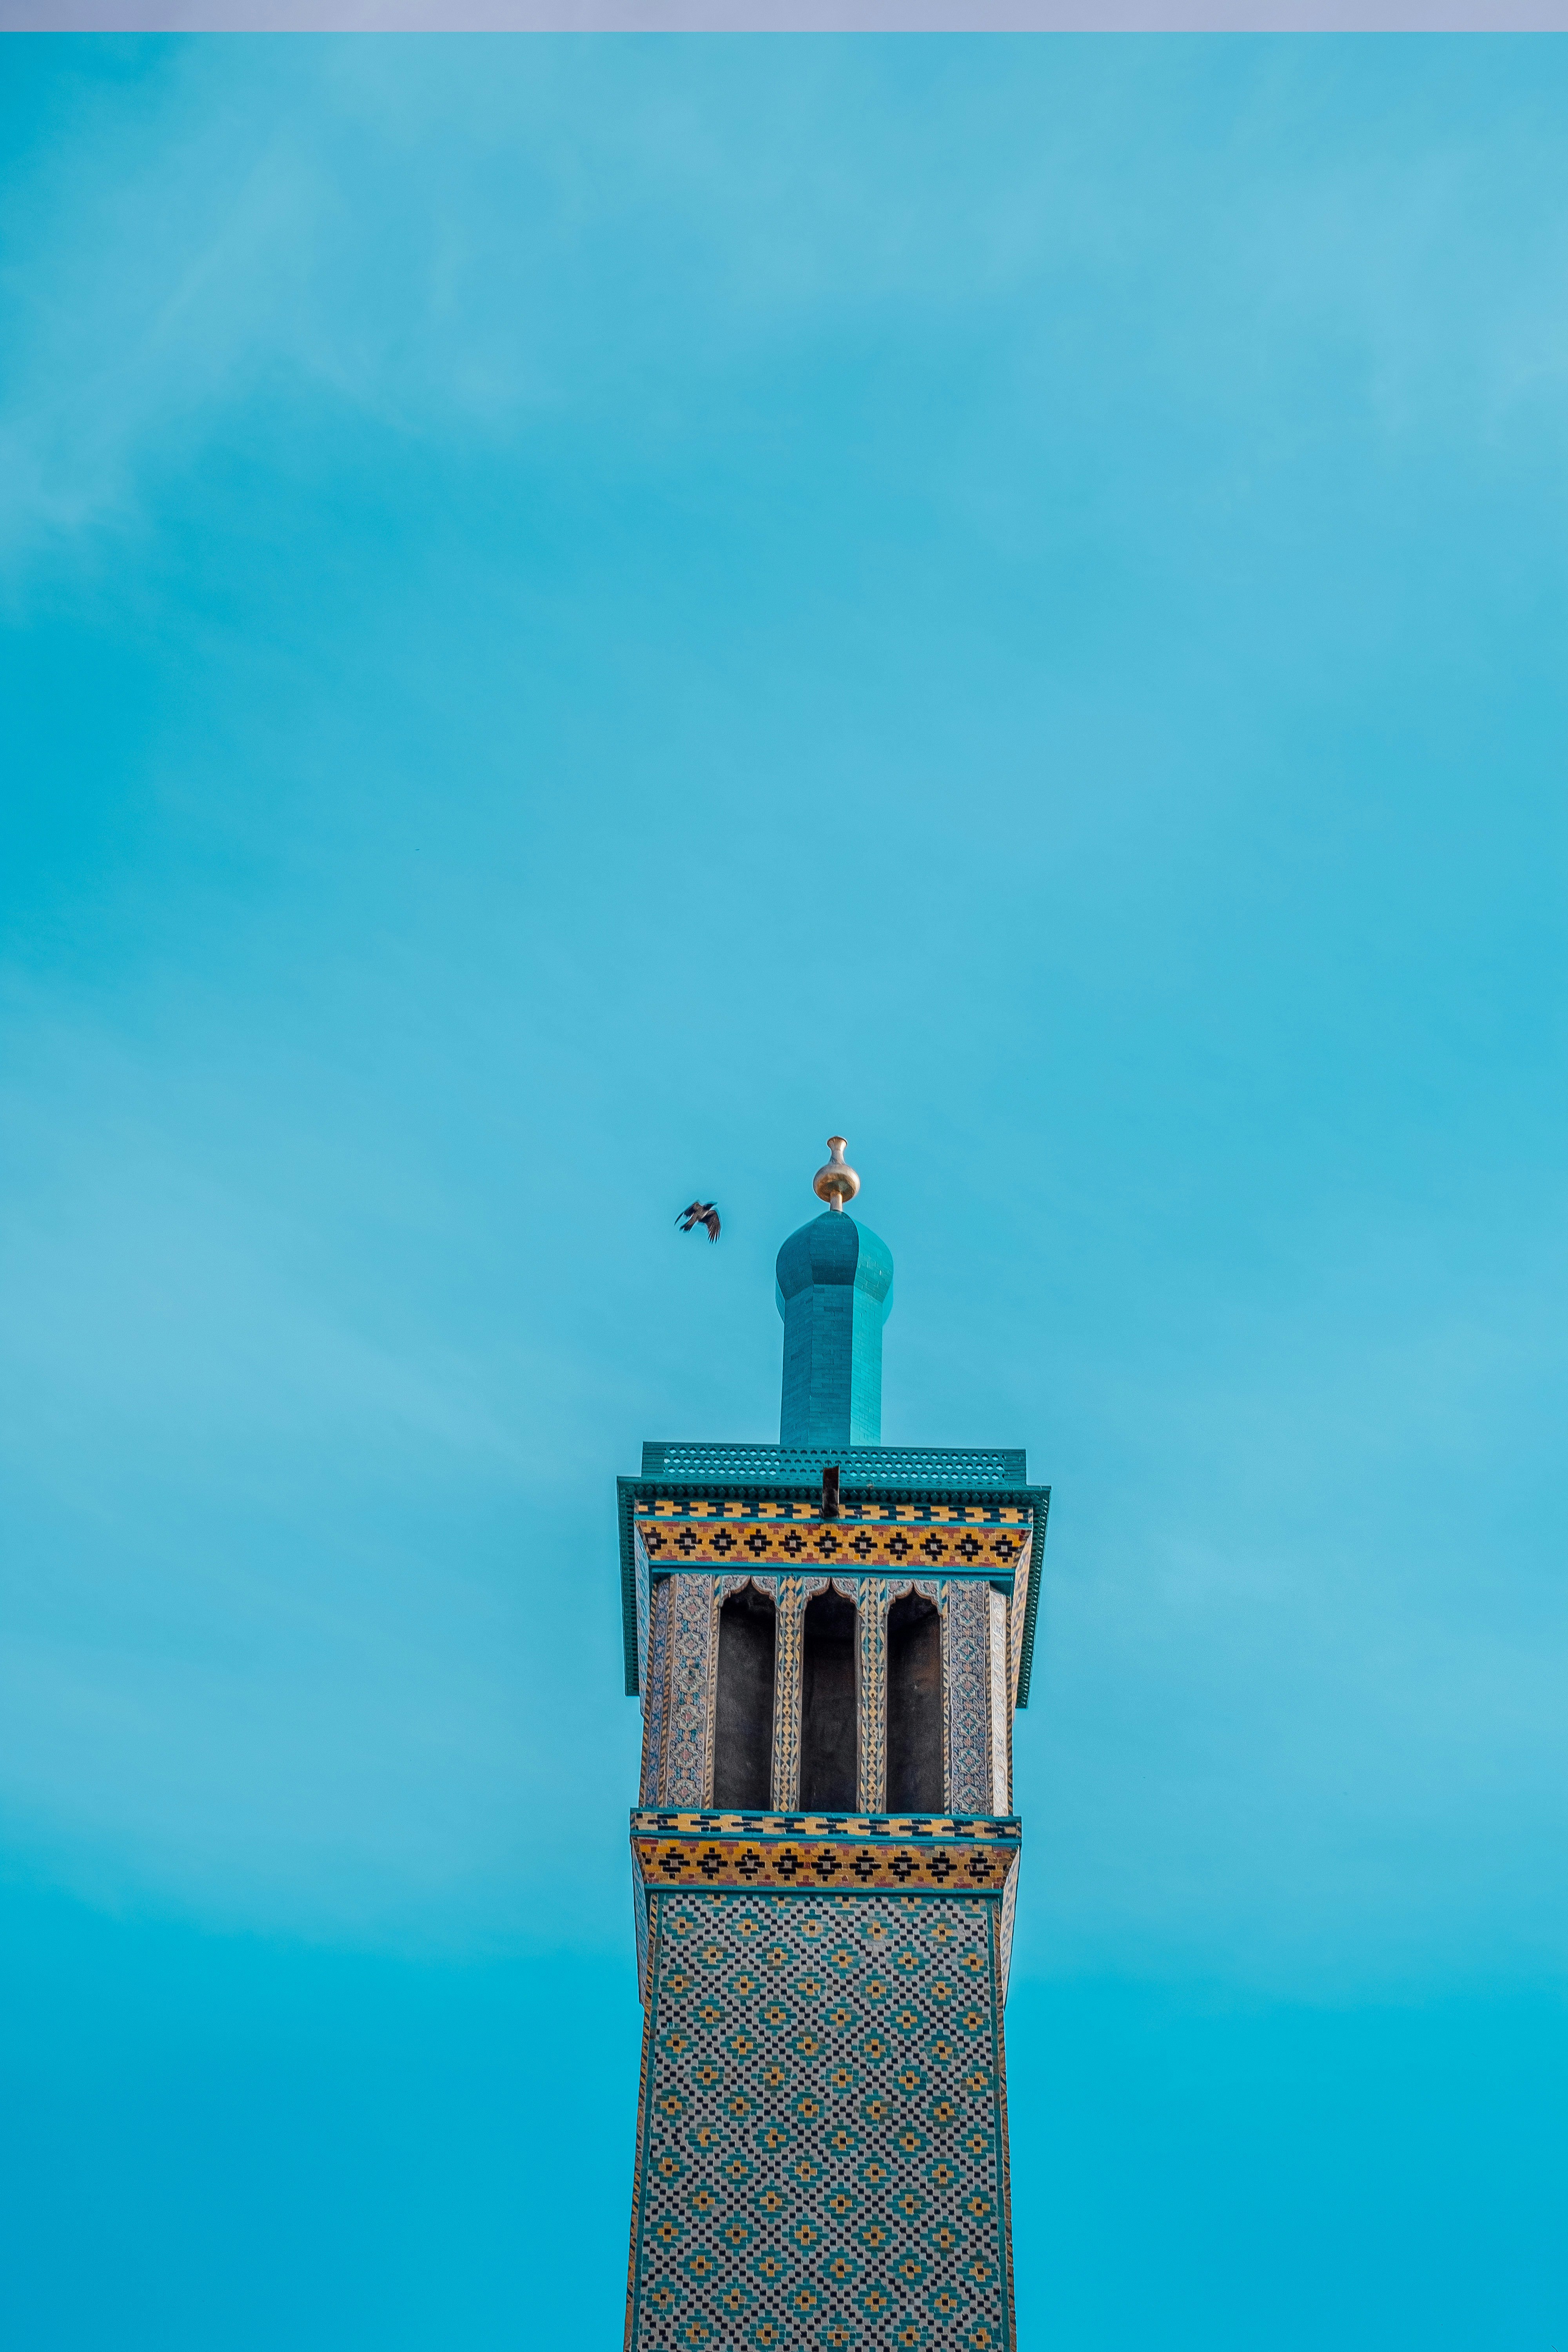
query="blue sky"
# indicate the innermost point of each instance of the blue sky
(576, 615)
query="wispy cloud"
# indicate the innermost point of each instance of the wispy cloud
(599, 614)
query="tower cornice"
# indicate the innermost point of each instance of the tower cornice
(962, 1476)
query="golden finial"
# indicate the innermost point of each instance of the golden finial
(836, 1183)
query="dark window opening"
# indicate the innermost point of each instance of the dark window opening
(829, 1747)
(744, 1727)
(914, 1706)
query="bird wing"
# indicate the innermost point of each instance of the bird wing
(688, 1217)
(711, 1221)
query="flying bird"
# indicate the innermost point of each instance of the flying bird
(700, 1212)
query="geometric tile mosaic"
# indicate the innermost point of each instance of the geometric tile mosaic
(851, 1512)
(843, 1864)
(926, 1829)
(994, 1551)
(822, 2146)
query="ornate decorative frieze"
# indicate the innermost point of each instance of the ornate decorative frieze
(924, 1829)
(928, 1854)
(852, 1509)
(980, 1549)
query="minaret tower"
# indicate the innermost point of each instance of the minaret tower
(829, 1636)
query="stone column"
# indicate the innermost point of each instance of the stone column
(792, 1595)
(655, 1695)
(999, 1704)
(965, 1647)
(693, 1662)
(874, 1602)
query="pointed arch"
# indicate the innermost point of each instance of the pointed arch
(743, 1707)
(829, 1732)
(915, 1742)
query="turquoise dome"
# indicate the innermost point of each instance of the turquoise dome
(833, 1284)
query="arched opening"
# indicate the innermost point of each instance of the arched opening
(829, 1747)
(743, 1724)
(914, 1706)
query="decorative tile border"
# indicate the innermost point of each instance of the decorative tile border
(752, 1487)
(846, 1854)
(898, 1829)
(960, 1867)
(851, 1511)
(836, 1545)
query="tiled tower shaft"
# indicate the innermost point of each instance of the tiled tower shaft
(822, 2140)
(824, 1858)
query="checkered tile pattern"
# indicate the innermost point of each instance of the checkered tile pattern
(822, 2159)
